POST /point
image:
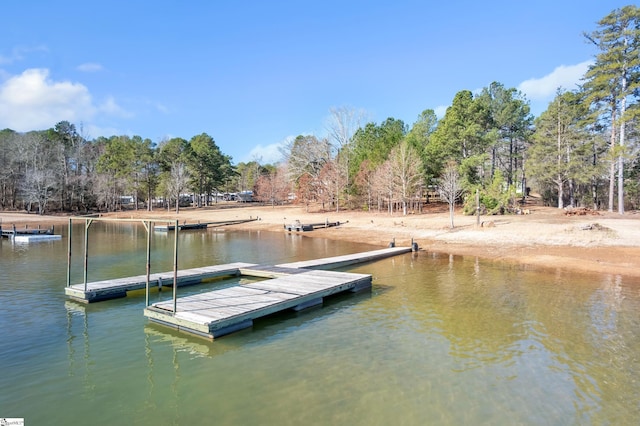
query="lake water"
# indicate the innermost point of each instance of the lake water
(440, 339)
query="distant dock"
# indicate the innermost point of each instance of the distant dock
(200, 225)
(26, 234)
(303, 227)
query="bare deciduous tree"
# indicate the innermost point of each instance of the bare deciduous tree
(40, 181)
(178, 182)
(383, 185)
(405, 167)
(450, 187)
(273, 187)
(341, 125)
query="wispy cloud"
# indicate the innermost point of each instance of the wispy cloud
(269, 154)
(565, 76)
(90, 67)
(111, 107)
(19, 53)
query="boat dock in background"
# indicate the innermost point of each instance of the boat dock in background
(303, 227)
(26, 234)
(200, 225)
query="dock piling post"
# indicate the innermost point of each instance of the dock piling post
(147, 226)
(69, 255)
(175, 267)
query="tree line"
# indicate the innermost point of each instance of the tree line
(581, 151)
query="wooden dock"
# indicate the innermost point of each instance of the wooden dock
(111, 289)
(348, 259)
(200, 225)
(303, 227)
(216, 313)
(115, 288)
(297, 285)
(12, 231)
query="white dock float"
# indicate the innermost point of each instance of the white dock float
(35, 238)
(110, 289)
(216, 313)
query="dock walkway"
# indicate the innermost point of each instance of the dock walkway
(200, 225)
(111, 289)
(297, 285)
(114, 288)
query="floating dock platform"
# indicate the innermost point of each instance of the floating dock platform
(297, 285)
(303, 227)
(27, 235)
(24, 238)
(97, 291)
(200, 225)
(216, 313)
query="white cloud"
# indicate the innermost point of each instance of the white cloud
(565, 76)
(90, 67)
(269, 154)
(31, 101)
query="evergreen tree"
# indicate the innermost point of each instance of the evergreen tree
(613, 83)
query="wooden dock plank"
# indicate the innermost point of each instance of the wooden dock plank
(118, 287)
(99, 290)
(345, 260)
(219, 312)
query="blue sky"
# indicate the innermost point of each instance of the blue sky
(253, 74)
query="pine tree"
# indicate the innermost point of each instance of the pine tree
(613, 80)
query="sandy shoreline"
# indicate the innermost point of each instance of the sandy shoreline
(603, 243)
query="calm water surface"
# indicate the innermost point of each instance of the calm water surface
(439, 340)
